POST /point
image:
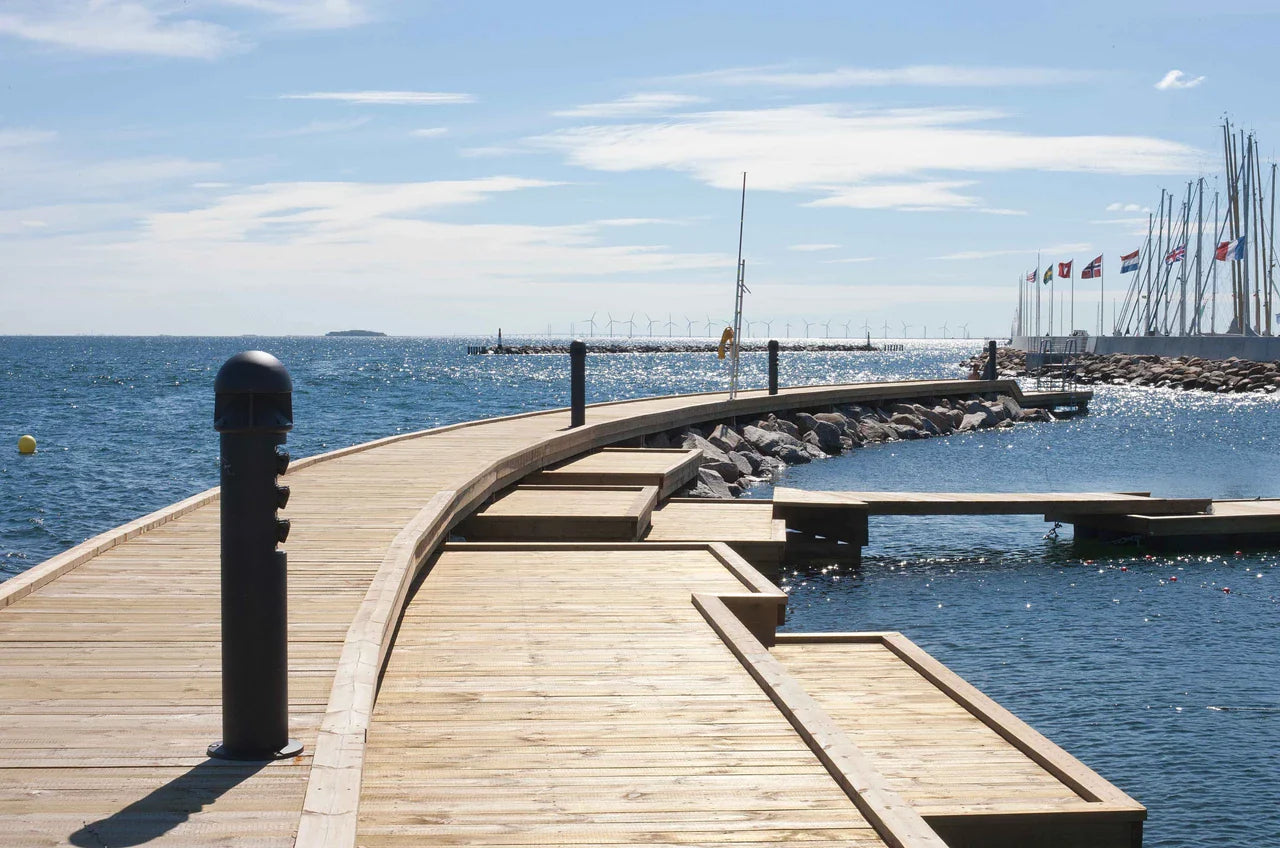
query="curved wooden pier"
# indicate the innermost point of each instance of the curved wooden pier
(110, 668)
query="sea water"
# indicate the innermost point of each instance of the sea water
(1168, 688)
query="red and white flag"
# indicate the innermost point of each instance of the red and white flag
(1064, 270)
(1093, 269)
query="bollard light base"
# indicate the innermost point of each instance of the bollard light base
(219, 751)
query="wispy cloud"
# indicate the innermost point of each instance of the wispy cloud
(910, 75)
(1127, 207)
(635, 222)
(162, 27)
(849, 261)
(319, 128)
(429, 132)
(117, 26)
(1177, 79)
(1054, 249)
(806, 248)
(387, 98)
(309, 14)
(653, 103)
(864, 159)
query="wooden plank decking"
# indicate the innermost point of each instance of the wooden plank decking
(580, 699)
(975, 772)
(747, 526)
(668, 469)
(788, 500)
(109, 653)
(555, 513)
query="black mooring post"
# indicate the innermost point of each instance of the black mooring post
(773, 366)
(577, 383)
(253, 410)
(989, 370)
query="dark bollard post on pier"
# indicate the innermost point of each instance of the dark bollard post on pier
(989, 370)
(253, 412)
(577, 383)
(773, 366)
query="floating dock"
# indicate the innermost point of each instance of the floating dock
(483, 693)
(836, 523)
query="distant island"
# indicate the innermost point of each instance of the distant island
(354, 333)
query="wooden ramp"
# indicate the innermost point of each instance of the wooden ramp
(974, 771)
(746, 526)
(668, 469)
(575, 697)
(1227, 523)
(564, 513)
(787, 500)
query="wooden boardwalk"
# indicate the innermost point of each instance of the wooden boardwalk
(109, 653)
(580, 699)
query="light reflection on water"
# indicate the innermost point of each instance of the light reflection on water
(1145, 678)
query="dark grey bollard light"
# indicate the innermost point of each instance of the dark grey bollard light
(253, 410)
(577, 383)
(773, 366)
(989, 370)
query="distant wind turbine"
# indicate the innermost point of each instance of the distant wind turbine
(631, 325)
(591, 325)
(807, 325)
(610, 323)
(964, 328)
(651, 323)
(886, 329)
(670, 325)
(905, 327)
(944, 329)
(688, 331)
(846, 328)
(710, 324)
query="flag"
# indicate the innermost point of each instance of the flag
(1031, 276)
(1233, 249)
(1093, 269)
(1048, 274)
(1129, 262)
(1176, 255)
(1064, 270)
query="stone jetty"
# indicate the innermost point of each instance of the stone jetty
(1181, 372)
(736, 455)
(633, 346)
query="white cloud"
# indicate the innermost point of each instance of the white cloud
(319, 128)
(429, 132)
(1177, 79)
(1127, 207)
(911, 75)
(308, 14)
(634, 222)
(117, 26)
(387, 98)
(869, 159)
(633, 105)
(805, 248)
(850, 260)
(1056, 249)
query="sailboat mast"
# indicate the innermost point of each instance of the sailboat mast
(739, 287)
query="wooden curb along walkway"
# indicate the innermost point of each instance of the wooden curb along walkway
(366, 519)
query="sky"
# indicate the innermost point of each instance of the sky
(420, 168)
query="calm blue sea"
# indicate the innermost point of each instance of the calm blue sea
(1170, 689)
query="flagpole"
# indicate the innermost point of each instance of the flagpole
(1037, 285)
(1073, 295)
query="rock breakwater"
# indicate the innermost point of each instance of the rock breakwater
(1181, 372)
(739, 454)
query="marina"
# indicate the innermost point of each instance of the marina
(514, 704)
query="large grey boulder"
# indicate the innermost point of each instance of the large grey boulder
(788, 427)
(728, 470)
(725, 438)
(972, 421)
(712, 483)
(827, 436)
(748, 462)
(710, 453)
(792, 455)
(874, 431)
(805, 422)
(769, 442)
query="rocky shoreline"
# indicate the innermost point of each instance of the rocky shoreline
(1181, 372)
(738, 455)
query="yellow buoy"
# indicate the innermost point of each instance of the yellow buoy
(26, 445)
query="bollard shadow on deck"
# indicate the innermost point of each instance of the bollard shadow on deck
(166, 807)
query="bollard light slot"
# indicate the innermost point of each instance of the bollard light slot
(282, 530)
(282, 461)
(282, 497)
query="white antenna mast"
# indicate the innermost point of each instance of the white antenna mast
(739, 290)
